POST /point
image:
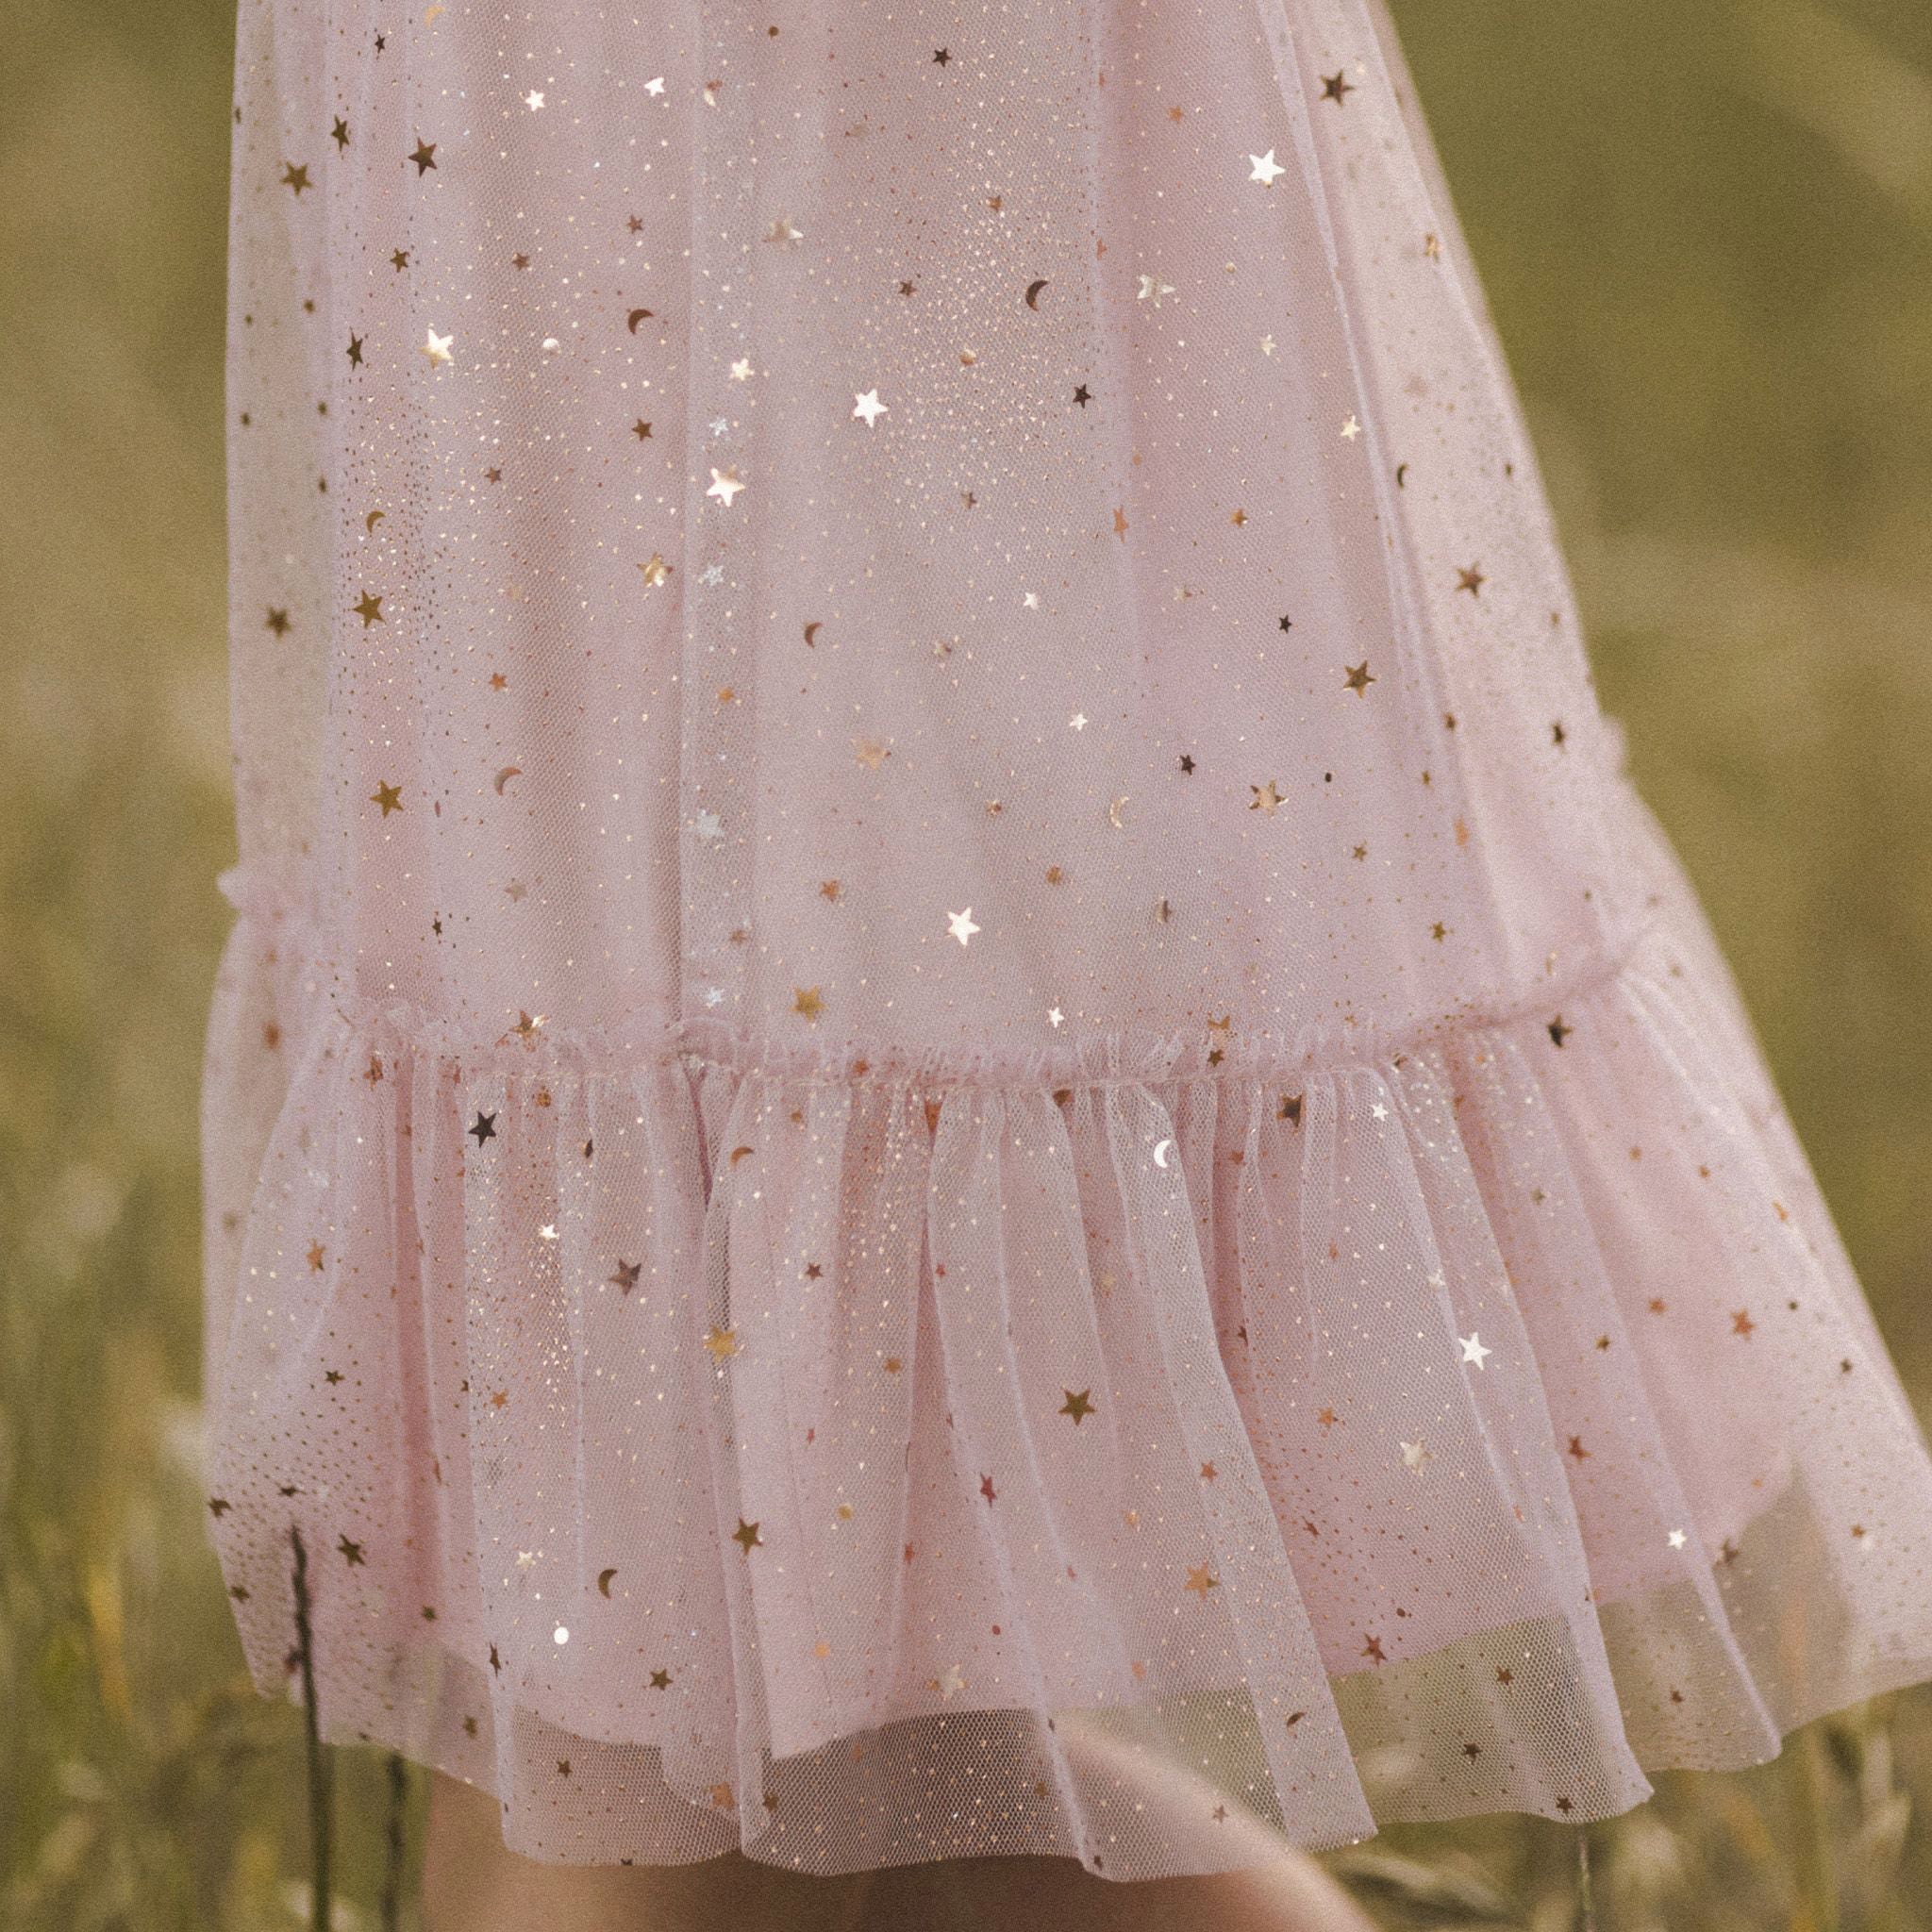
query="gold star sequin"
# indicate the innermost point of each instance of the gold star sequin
(1471, 580)
(369, 609)
(655, 570)
(722, 1343)
(1201, 1579)
(747, 1538)
(296, 177)
(1359, 678)
(1336, 86)
(1076, 1405)
(805, 1000)
(389, 796)
(425, 157)
(1268, 798)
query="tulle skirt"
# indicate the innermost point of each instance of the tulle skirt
(1034, 1105)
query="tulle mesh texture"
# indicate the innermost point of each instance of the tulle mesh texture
(958, 1107)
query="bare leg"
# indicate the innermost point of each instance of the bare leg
(471, 1883)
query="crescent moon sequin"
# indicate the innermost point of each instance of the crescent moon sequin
(635, 316)
(504, 776)
(374, 516)
(603, 1577)
(811, 630)
(1161, 1150)
(1033, 290)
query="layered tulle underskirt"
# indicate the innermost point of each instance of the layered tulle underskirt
(852, 1463)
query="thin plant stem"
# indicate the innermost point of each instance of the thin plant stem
(392, 1868)
(1585, 1889)
(320, 1767)
(1805, 1775)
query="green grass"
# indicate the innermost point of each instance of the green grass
(1706, 235)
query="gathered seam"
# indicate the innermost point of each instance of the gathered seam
(643, 1040)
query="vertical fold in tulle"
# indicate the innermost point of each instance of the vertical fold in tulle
(823, 1389)
(445, 1513)
(346, 1365)
(1004, 1559)
(1249, 1659)
(801, 1406)
(667, 1510)
(721, 1757)
(523, 1460)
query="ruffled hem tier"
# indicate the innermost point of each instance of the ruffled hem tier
(1132, 1460)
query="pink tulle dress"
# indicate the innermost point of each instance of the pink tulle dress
(955, 1081)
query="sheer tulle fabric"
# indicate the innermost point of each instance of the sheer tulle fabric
(951, 1059)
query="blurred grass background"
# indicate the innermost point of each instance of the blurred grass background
(1704, 230)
